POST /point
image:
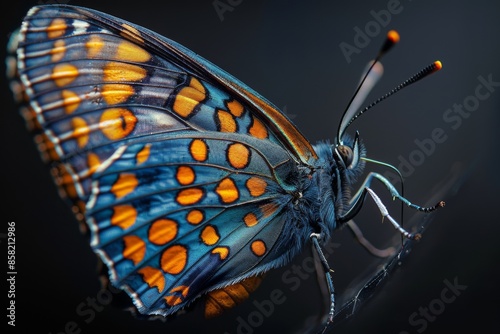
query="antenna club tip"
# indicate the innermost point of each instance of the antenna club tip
(393, 36)
(391, 40)
(438, 65)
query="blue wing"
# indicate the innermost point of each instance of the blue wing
(171, 228)
(184, 175)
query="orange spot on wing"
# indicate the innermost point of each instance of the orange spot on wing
(196, 84)
(189, 196)
(182, 289)
(195, 216)
(143, 154)
(177, 299)
(116, 71)
(124, 185)
(235, 108)
(188, 98)
(58, 50)
(64, 74)
(250, 219)
(185, 175)
(29, 116)
(94, 46)
(227, 191)
(258, 247)
(71, 101)
(116, 93)
(117, 123)
(81, 131)
(135, 248)
(209, 235)
(173, 300)
(132, 33)
(198, 150)
(93, 162)
(123, 216)
(257, 129)
(153, 277)
(238, 155)
(62, 175)
(226, 122)
(127, 51)
(174, 259)
(186, 101)
(46, 148)
(162, 231)
(222, 251)
(256, 186)
(57, 28)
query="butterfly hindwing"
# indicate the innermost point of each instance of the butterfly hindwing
(216, 226)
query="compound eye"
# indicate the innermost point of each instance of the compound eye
(346, 154)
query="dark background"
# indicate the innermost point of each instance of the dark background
(289, 52)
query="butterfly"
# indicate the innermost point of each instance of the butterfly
(188, 182)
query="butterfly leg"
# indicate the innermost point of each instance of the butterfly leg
(386, 252)
(328, 276)
(358, 199)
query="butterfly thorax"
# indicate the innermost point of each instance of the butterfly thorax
(331, 184)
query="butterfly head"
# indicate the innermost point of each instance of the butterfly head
(348, 152)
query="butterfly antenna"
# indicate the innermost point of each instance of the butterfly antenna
(434, 67)
(391, 40)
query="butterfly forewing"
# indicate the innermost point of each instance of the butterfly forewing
(181, 172)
